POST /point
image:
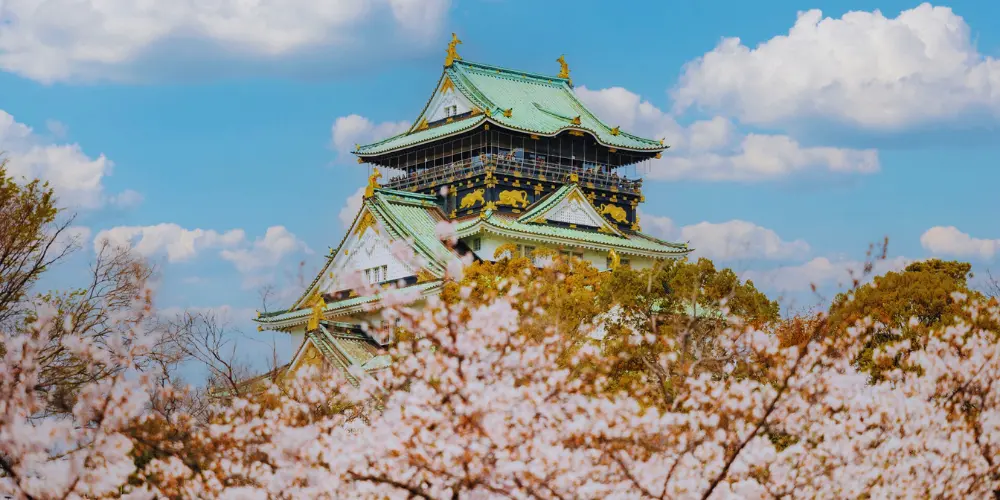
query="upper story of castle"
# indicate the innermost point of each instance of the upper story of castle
(492, 138)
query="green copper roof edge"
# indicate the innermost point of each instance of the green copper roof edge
(471, 92)
(361, 152)
(654, 239)
(375, 205)
(338, 358)
(486, 225)
(408, 194)
(565, 86)
(300, 316)
(427, 104)
(329, 261)
(339, 348)
(537, 76)
(402, 229)
(367, 203)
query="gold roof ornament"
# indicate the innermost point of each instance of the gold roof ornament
(615, 259)
(616, 131)
(372, 183)
(564, 69)
(576, 120)
(318, 305)
(447, 85)
(508, 112)
(452, 51)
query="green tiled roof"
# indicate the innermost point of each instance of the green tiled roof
(407, 216)
(302, 314)
(346, 348)
(420, 136)
(538, 104)
(633, 243)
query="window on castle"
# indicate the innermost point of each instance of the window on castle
(625, 262)
(477, 244)
(569, 255)
(374, 275)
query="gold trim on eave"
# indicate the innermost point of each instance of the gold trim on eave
(447, 85)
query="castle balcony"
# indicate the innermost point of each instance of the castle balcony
(591, 175)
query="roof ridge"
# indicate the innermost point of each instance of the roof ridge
(549, 79)
(407, 194)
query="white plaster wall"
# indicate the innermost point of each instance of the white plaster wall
(298, 336)
(372, 249)
(436, 111)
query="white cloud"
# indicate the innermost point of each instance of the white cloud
(658, 225)
(949, 240)
(732, 240)
(178, 243)
(737, 239)
(347, 131)
(863, 69)
(57, 128)
(75, 177)
(127, 199)
(265, 252)
(351, 207)
(712, 149)
(55, 40)
(821, 272)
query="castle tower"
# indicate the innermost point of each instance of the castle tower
(513, 158)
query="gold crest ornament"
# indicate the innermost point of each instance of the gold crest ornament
(373, 183)
(452, 51)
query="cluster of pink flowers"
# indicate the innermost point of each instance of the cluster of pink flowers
(474, 409)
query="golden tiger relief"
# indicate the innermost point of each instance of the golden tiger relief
(513, 198)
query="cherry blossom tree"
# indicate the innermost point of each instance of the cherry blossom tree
(487, 397)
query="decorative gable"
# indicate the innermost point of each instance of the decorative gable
(307, 355)
(574, 209)
(571, 207)
(367, 252)
(446, 103)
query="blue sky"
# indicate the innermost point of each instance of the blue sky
(212, 139)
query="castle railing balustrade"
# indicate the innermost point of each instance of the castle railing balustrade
(590, 174)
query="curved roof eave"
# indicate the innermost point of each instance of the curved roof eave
(486, 119)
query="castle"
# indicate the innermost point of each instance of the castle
(514, 159)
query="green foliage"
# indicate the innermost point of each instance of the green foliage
(922, 291)
(680, 303)
(28, 232)
(660, 300)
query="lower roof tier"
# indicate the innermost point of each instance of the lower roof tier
(562, 219)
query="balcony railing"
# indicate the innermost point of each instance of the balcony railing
(589, 174)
